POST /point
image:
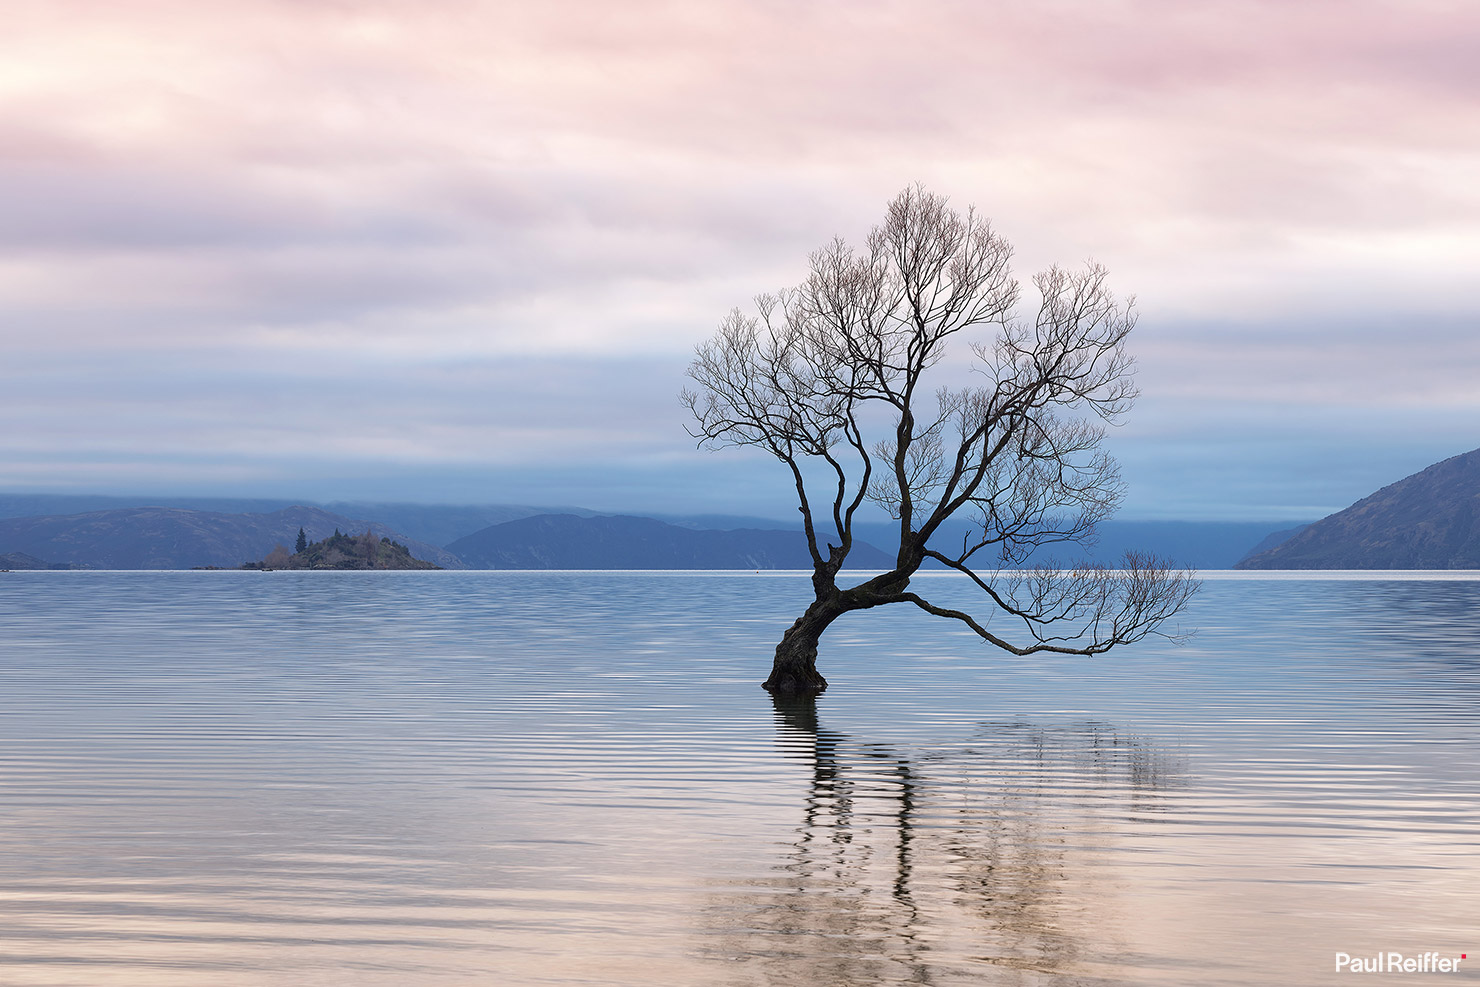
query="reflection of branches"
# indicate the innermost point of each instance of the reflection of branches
(923, 867)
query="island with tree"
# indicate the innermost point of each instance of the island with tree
(341, 551)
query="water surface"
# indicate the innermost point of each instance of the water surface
(574, 778)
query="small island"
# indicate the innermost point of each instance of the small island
(340, 551)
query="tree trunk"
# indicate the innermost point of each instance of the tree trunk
(794, 672)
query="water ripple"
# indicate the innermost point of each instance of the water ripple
(541, 778)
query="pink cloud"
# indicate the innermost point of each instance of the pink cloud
(386, 177)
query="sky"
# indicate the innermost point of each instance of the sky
(461, 252)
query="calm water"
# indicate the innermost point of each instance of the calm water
(574, 778)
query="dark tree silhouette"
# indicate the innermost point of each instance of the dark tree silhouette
(302, 541)
(831, 378)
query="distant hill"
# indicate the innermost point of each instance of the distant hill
(565, 541)
(435, 524)
(1273, 539)
(1430, 520)
(177, 538)
(20, 560)
(442, 524)
(46, 505)
(1200, 544)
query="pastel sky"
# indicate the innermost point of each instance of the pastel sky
(462, 251)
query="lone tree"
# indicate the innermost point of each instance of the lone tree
(830, 377)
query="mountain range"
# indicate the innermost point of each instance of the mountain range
(180, 538)
(161, 537)
(20, 560)
(185, 538)
(1430, 520)
(565, 541)
(1202, 544)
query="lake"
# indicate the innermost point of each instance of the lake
(557, 778)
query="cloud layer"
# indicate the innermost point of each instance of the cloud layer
(462, 251)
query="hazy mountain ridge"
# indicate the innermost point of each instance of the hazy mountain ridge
(1273, 540)
(534, 543)
(179, 538)
(566, 541)
(442, 524)
(174, 535)
(16, 505)
(1199, 544)
(20, 560)
(1430, 520)
(432, 524)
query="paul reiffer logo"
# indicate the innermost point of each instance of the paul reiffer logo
(1398, 963)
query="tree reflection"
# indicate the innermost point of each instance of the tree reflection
(939, 865)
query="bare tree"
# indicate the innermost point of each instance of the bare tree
(830, 377)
